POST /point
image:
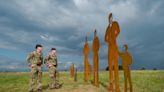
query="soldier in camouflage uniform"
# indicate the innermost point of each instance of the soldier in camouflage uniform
(35, 60)
(51, 62)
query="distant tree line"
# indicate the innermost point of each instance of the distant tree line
(121, 68)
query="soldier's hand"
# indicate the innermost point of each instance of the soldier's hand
(32, 66)
(50, 65)
(39, 62)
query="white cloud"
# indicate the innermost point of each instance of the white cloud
(64, 25)
(82, 4)
(49, 38)
(7, 45)
(124, 11)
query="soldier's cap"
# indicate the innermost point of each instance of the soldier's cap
(53, 48)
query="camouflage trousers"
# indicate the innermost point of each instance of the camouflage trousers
(53, 76)
(36, 75)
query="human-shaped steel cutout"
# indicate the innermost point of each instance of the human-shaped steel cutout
(95, 50)
(72, 70)
(126, 61)
(111, 35)
(86, 62)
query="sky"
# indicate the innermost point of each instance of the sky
(63, 24)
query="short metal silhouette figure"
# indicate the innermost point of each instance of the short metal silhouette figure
(111, 35)
(86, 62)
(95, 49)
(75, 75)
(72, 70)
(126, 61)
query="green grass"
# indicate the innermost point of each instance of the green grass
(143, 81)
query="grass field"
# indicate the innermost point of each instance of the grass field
(143, 81)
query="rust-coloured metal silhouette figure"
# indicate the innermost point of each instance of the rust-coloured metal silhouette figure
(95, 49)
(126, 61)
(111, 34)
(86, 62)
(75, 74)
(72, 70)
(90, 69)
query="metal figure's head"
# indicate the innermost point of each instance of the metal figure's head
(110, 18)
(125, 47)
(95, 33)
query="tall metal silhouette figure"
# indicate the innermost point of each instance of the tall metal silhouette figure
(126, 61)
(111, 35)
(95, 49)
(86, 62)
(90, 69)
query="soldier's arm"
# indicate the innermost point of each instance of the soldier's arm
(56, 61)
(29, 57)
(46, 60)
(42, 59)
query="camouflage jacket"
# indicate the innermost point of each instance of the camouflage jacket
(35, 58)
(51, 60)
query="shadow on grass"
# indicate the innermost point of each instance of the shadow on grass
(92, 82)
(101, 83)
(104, 85)
(45, 86)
